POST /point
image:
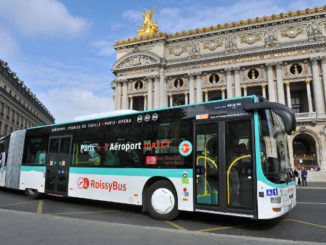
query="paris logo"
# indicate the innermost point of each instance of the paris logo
(185, 148)
(83, 183)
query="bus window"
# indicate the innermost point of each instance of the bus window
(2, 155)
(117, 147)
(36, 152)
(162, 141)
(239, 164)
(123, 148)
(86, 153)
(274, 147)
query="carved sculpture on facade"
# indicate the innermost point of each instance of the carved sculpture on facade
(322, 132)
(271, 37)
(251, 38)
(177, 49)
(231, 42)
(148, 27)
(194, 49)
(136, 60)
(212, 44)
(314, 30)
(291, 32)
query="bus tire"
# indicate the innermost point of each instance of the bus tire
(32, 193)
(162, 202)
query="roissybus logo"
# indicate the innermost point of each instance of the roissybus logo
(83, 183)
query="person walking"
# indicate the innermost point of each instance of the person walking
(304, 177)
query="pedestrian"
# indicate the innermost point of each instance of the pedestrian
(304, 177)
(296, 176)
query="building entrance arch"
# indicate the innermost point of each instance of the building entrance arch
(305, 151)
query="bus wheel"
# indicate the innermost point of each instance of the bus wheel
(162, 201)
(32, 193)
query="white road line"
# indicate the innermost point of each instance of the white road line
(313, 203)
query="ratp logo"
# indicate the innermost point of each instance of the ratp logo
(83, 183)
(185, 148)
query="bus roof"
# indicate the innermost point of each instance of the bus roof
(138, 112)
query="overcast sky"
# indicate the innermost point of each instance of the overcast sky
(63, 49)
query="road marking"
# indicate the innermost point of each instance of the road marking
(40, 207)
(86, 212)
(175, 225)
(306, 223)
(315, 203)
(16, 203)
(215, 229)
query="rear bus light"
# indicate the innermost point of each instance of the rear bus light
(277, 209)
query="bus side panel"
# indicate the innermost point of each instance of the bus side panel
(32, 177)
(3, 176)
(15, 156)
(126, 185)
(276, 200)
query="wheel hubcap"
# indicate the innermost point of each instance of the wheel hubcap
(163, 200)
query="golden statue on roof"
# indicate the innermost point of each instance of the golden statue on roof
(148, 27)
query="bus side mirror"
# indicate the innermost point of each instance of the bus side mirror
(287, 115)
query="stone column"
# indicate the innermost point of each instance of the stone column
(114, 87)
(186, 98)
(270, 80)
(237, 82)
(191, 88)
(223, 93)
(323, 68)
(309, 95)
(229, 86)
(114, 107)
(149, 93)
(318, 94)
(166, 85)
(171, 100)
(288, 94)
(244, 90)
(125, 95)
(263, 88)
(131, 100)
(162, 89)
(156, 92)
(118, 97)
(280, 86)
(199, 97)
(145, 102)
(206, 95)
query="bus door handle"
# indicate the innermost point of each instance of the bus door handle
(200, 170)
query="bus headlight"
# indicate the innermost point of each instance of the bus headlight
(276, 199)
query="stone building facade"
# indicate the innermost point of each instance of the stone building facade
(19, 107)
(281, 57)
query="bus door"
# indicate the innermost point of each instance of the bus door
(239, 167)
(224, 174)
(207, 165)
(57, 165)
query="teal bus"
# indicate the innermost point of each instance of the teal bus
(222, 157)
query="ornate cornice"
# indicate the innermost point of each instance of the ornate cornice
(240, 23)
(244, 53)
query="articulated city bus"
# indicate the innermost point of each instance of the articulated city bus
(223, 157)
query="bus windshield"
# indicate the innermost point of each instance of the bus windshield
(274, 148)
